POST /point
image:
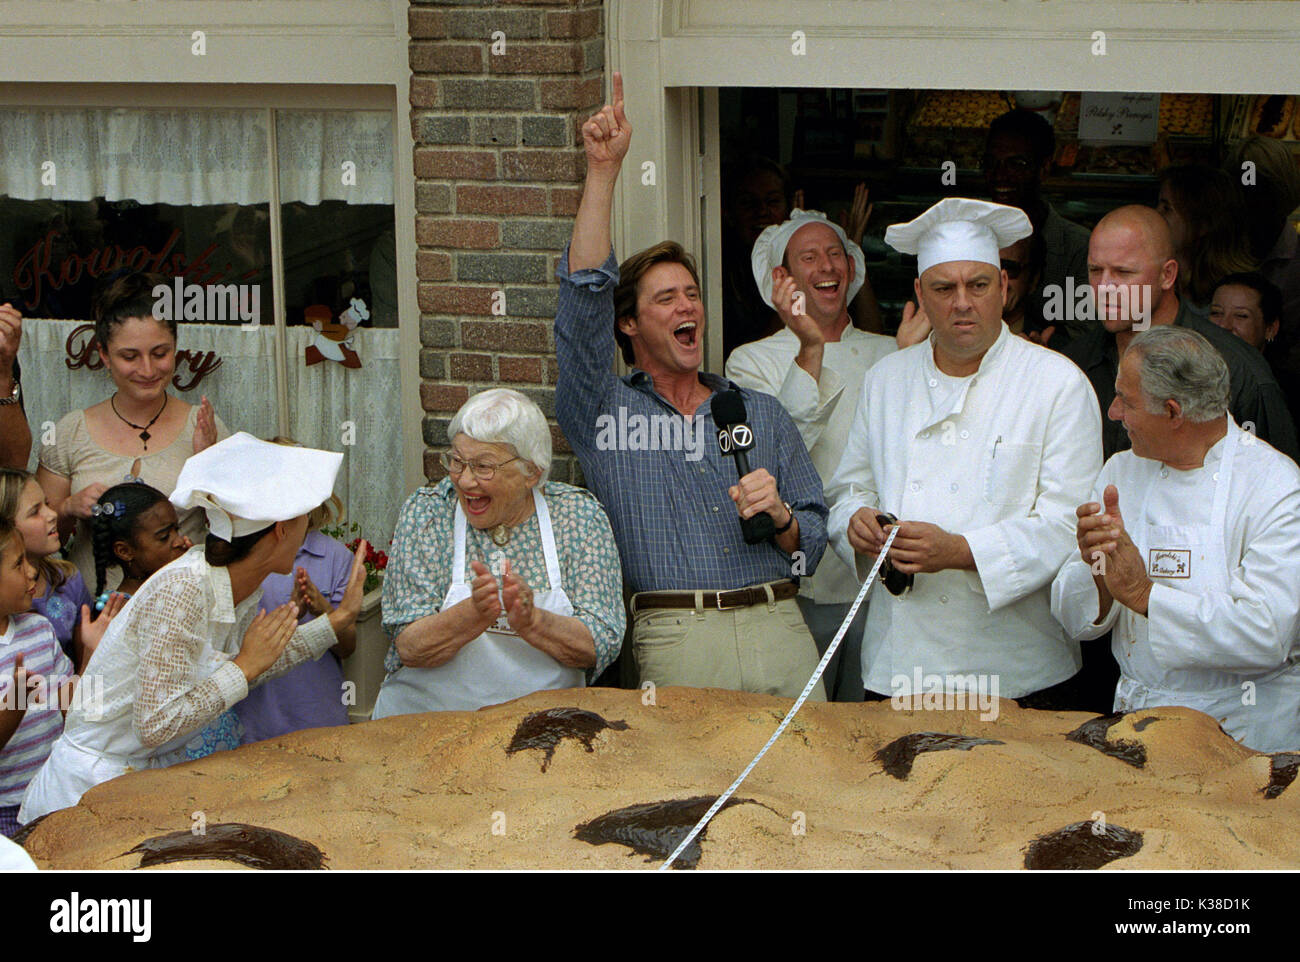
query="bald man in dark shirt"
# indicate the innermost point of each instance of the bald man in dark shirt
(1131, 248)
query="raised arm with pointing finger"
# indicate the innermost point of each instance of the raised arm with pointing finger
(647, 448)
(606, 138)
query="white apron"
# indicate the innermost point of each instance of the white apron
(1194, 558)
(96, 751)
(498, 665)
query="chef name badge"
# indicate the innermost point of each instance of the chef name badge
(1169, 563)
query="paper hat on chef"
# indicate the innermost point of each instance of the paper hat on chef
(769, 251)
(960, 229)
(245, 484)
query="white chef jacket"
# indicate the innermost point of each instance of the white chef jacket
(1206, 633)
(822, 411)
(163, 670)
(1002, 457)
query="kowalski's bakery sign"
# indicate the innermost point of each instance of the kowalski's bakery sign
(82, 352)
(36, 271)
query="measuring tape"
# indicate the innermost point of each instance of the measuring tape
(798, 702)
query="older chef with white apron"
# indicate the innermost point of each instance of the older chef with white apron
(470, 629)
(1206, 609)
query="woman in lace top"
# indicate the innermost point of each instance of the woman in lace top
(185, 649)
(141, 432)
(499, 583)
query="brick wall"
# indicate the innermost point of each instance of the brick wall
(498, 167)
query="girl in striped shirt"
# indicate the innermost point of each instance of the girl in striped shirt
(36, 678)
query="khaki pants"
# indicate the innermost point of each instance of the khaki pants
(765, 648)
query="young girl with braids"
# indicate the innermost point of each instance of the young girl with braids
(133, 527)
(61, 594)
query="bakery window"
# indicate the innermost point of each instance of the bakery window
(275, 228)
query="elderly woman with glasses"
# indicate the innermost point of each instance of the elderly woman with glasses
(500, 583)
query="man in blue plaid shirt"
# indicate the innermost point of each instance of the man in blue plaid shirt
(709, 610)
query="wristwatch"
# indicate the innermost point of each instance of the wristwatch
(786, 527)
(13, 398)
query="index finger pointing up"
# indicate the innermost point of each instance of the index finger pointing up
(619, 115)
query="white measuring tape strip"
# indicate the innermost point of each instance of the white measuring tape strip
(798, 703)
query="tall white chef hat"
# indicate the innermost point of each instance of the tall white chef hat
(960, 229)
(769, 251)
(244, 484)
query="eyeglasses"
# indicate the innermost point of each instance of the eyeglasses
(483, 470)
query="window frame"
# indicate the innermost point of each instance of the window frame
(270, 99)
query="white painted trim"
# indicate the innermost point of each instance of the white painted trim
(267, 41)
(279, 311)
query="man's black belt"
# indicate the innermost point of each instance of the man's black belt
(721, 600)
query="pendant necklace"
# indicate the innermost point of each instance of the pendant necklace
(501, 535)
(142, 428)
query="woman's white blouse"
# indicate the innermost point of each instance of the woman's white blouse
(165, 667)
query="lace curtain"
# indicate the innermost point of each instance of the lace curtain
(323, 400)
(196, 156)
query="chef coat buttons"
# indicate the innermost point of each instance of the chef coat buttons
(965, 435)
(1216, 475)
(916, 485)
(933, 383)
(1164, 472)
(925, 435)
(953, 486)
(943, 599)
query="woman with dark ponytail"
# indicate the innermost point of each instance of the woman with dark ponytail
(190, 643)
(133, 527)
(142, 431)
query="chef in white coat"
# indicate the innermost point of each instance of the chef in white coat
(808, 270)
(980, 443)
(1190, 550)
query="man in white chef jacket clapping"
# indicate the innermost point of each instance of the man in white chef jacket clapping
(981, 443)
(1190, 550)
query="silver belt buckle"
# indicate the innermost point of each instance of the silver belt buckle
(718, 600)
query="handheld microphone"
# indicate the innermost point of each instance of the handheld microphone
(735, 437)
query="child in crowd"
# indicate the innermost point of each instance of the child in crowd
(61, 593)
(310, 695)
(36, 678)
(133, 527)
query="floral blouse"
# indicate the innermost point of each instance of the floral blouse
(419, 566)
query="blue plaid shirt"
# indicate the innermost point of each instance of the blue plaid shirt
(674, 522)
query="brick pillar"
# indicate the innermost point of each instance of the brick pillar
(497, 94)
